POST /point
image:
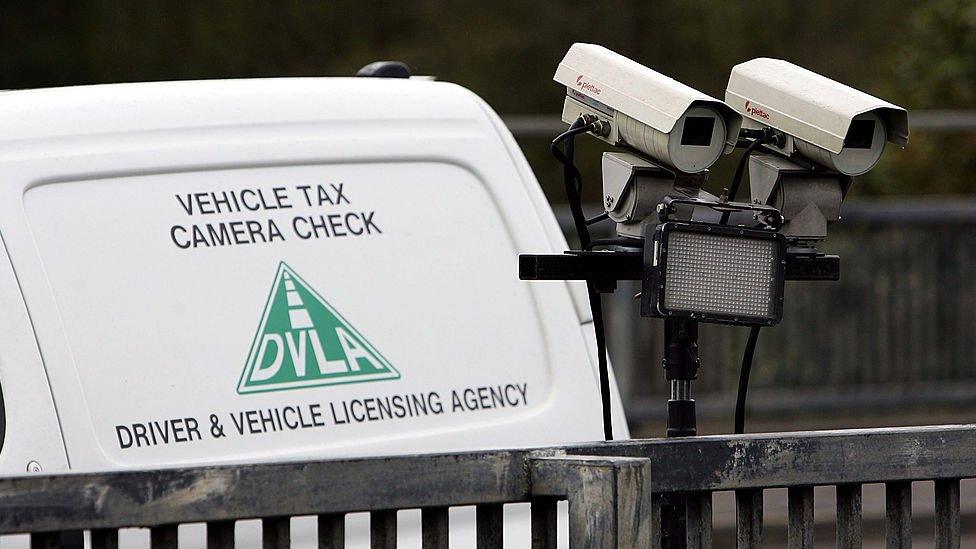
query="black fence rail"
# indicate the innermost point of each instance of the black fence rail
(608, 499)
(749, 464)
(898, 329)
(617, 492)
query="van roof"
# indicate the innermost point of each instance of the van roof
(154, 106)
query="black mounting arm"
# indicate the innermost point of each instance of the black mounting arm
(606, 268)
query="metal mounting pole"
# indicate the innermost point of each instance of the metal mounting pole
(681, 365)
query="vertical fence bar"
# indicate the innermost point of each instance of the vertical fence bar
(748, 519)
(220, 534)
(164, 537)
(801, 518)
(489, 525)
(698, 515)
(276, 533)
(45, 540)
(609, 498)
(332, 531)
(849, 516)
(947, 514)
(105, 538)
(898, 515)
(656, 501)
(435, 527)
(544, 523)
(383, 529)
(674, 521)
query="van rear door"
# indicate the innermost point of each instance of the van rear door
(263, 270)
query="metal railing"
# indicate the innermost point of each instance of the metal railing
(749, 464)
(608, 498)
(616, 491)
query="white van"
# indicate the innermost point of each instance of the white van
(277, 269)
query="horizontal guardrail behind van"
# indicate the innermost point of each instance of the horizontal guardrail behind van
(897, 330)
(619, 493)
(938, 120)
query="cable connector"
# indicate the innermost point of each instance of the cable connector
(749, 133)
(775, 138)
(601, 128)
(767, 135)
(596, 126)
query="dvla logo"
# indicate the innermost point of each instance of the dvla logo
(304, 342)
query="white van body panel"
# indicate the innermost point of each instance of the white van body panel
(134, 328)
(32, 437)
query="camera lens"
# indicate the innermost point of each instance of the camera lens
(698, 131)
(860, 135)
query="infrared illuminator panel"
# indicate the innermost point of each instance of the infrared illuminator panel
(719, 274)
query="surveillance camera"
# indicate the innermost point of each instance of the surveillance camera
(656, 115)
(833, 125)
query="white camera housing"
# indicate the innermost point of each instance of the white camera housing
(657, 115)
(834, 125)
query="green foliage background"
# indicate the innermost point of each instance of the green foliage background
(918, 54)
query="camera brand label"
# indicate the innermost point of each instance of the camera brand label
(582, 84)
(302, 341)
(754, 110)
(590, 102)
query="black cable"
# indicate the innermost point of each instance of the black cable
(596, 308)
(744, 371)
(573, 182)
(761, 137)
(572, 178)
(737, 176)
(597, 218)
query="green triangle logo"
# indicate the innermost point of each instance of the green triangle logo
(303, 341)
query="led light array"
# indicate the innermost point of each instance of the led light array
(729, 277)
